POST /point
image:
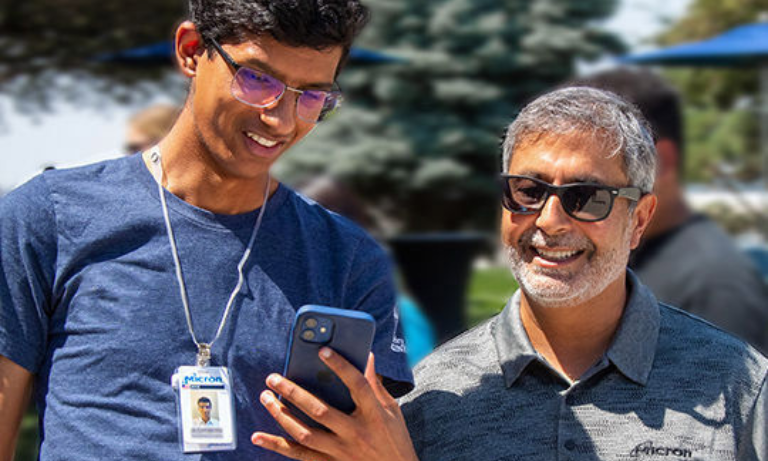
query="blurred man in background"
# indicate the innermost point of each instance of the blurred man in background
(685, 258)
(148, 126)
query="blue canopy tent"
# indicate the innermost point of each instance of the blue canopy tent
(743, 46)
(161, 53)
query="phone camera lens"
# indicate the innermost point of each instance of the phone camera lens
(308, 335)
(310, 323)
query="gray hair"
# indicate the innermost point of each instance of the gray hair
(597, 113)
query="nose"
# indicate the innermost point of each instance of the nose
(281, 116)
(552, 218)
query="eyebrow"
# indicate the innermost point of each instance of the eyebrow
(261, 66)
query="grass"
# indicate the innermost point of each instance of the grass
(26, 447)
(489, 290)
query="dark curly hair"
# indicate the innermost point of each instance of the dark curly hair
(317, 24)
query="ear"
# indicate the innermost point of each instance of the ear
(189, 48)
(668, 155)
(642, 216)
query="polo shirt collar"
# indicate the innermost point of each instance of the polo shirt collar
(632, 350)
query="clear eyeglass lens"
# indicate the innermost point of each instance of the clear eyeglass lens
(262, 90)
(256, 88)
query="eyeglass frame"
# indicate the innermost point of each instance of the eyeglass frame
(631, 193)
(237, 66)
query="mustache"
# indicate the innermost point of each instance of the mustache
(537, 238)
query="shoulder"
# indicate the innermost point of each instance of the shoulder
(700, 348)
(459, 363)
(320, 224)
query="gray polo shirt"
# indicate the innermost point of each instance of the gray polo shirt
(670, 387)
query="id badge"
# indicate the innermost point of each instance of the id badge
(205, 409)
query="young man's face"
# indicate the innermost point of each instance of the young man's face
(558, 260)
(205, 410)
(244, 141)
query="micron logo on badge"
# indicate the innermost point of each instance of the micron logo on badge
(194, 380)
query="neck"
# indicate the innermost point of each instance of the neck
(573, 338)
(190, 174)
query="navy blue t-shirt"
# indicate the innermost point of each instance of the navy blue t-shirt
(89, 302)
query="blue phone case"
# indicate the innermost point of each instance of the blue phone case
(351, 336)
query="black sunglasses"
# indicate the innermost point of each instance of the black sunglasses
(582, 201)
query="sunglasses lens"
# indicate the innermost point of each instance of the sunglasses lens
(255, 88)
(588, 203)
(523, 195)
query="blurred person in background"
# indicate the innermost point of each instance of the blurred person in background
(418, 332)
(148, 126)
(96, 312)
(686, 259)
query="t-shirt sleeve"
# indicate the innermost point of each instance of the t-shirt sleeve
(371, 288)
(27, 260)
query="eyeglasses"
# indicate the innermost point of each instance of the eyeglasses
(582, 201)
(257, 89)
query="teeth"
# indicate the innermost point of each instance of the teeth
(556, 255)
(263, 141)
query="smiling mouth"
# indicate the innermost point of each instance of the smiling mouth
(557, 256)
(268, 143)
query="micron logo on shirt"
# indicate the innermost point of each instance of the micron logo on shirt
(649, 449)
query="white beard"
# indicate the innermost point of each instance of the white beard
(555, 288)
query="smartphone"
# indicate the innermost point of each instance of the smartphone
(349, 333)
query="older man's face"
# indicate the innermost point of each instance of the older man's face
(560, 261)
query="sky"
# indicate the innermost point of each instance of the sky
(70, 136)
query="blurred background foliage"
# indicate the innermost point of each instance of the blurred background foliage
(49, 49)
(721, 104)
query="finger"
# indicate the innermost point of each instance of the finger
(285, 447)
(375, 382)
(305, 401)
(311, 438)
(358, 386)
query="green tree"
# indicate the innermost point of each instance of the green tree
(421, 139)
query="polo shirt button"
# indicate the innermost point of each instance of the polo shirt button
(570, 445)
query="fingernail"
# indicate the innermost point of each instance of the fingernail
(256, 440)
(273, 380)
(326, 353)
(266, 397)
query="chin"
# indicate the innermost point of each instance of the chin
(559, 289)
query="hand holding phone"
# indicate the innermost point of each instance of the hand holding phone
(348, 333)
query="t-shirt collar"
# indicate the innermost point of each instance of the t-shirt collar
(632, 350)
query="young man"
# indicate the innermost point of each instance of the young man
(583, 363)
(114, 275)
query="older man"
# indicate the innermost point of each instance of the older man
(584, 362)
